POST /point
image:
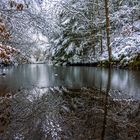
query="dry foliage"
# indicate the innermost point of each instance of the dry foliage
(6, 53)
(17, 6)
(4, 33)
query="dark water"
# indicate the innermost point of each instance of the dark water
(40, 102)
(42, 75)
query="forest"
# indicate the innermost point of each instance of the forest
(70, 32)
(69, 69)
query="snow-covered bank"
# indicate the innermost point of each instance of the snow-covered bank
(125, 52)
(81, 42)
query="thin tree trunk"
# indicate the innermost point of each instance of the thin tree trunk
(94, 28)
(108, 29)
(94, 42)
(99, 26)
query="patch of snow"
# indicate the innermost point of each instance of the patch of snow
(125, 48)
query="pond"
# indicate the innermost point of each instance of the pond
(42, 75)
(41, 102)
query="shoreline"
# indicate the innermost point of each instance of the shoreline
(104, 64)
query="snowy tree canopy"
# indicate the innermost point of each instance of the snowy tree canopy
(66, 30)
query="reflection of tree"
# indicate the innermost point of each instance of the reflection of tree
(5, 116)
(118, 114)
(59, 113)
(106, 103)
(101, 82)
(34, 115)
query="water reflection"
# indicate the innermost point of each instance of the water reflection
(106, 104)
(125, 81)
(5, 117)
(59, 113)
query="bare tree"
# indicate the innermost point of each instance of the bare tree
(108, 29)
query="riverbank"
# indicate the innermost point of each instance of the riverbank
(125, 54)
(125, 46)
(121, 63)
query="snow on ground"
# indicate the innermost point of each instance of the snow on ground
(125, 48)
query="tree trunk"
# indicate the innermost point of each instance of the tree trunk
(99, 26)
(108, 29)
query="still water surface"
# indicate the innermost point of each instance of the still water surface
(42, 75)
(41, 102)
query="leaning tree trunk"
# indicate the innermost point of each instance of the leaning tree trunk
(108, 29)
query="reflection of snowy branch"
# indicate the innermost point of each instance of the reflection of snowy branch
(56, 113)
